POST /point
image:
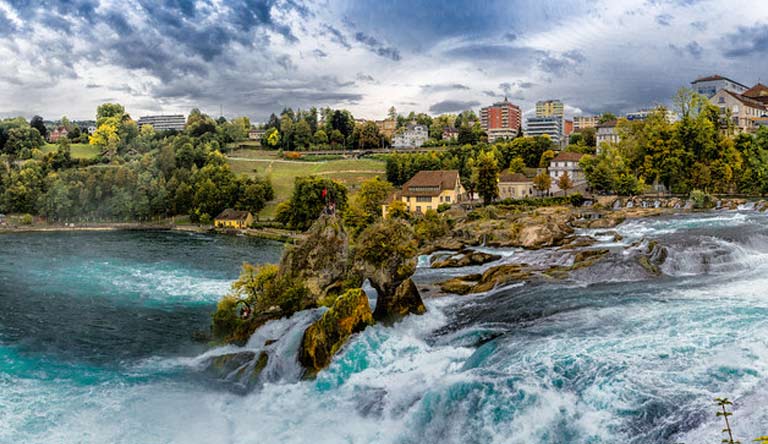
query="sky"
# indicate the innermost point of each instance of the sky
(255, 57)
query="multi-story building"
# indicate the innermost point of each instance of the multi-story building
(501, 120)
(411, 137)
(567, 127)
(606, 133)
(583, 122)
(745, 112)
(710, 85)
(514, 185)
(429, 189)
(567, 162)
(642, 114)
(546, 126)
(164, 122)
(550, 108)
(387, 127)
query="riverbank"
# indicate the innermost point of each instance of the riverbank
(274, 234)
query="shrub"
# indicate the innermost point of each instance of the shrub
(443, 207)
(702, 200)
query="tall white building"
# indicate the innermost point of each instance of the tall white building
(549, 126)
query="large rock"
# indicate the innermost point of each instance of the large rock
(406, 300)
(237, 370)
(322, 260)
(350, 314)
(465, 258)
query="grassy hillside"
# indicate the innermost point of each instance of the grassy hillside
(351, 172)
(78, 150)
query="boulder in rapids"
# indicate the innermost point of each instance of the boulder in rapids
(406, 300)
(465, 258)
(350, 314)
(241, 368)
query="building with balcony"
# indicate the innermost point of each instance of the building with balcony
(175, 122)
(567, 162)
(550, 108)
(501, 120)
(746, 113)
(546, 126)
(583, 122)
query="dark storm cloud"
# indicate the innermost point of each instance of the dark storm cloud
(694, 49)
(747, 41)
(319, 53)
(377, 47)
(562, 64)
(452, 106)
(444, 87)
(489, 93)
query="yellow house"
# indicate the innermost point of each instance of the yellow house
(515, 186)
(429, 189)
(230, 218)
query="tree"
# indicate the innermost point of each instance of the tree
(546, 158)
(517, 165)
(107, 110)
(272, 137)
(606, 117)
(38, 124)
(21, 141)
(365, 206)
(321, 138)
(311, 196)
(369, 136)
(254, 194)
(392, 113)
(487, 177)
(542, 182)
(564, 182)
(106, 136)
(199, 124)
(337, 138)
(302, 134)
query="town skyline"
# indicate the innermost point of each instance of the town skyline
(255, 60)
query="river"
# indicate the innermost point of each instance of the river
(96, 347)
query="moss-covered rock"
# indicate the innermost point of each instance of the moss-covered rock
(322, 261)
(406, 300)
(460, 285)
(350, 314)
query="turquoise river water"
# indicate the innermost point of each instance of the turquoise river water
(96, 346)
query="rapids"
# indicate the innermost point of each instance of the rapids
(95, 347)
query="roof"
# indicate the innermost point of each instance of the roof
(230, 214)
(567, 156)
(608, 124)
(756, 92)
(744, 99)
(507, 177)
(439, 180)
(714, 78)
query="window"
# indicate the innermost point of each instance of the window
(448, 199)
(721, 100)
(418, 209)
(423, 199)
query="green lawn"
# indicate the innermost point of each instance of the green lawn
(78, 150)
(351, 172)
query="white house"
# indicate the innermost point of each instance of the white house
(606, 133)
(566, 162)
(413, 136)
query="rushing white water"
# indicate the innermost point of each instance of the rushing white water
(613, 355)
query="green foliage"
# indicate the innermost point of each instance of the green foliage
(487, 177)
(307, 201)
(430, 226)
(702, 200)
(575, 199)
(365, 206)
